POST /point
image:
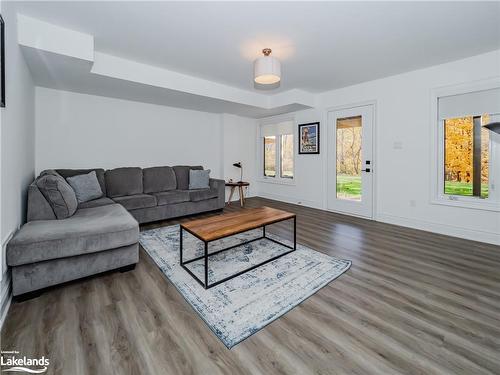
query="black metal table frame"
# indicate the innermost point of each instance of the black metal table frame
(206, 255)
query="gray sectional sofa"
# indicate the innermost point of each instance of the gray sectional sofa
(103, 233)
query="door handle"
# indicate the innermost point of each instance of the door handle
(366, 170)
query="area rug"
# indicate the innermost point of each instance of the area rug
(238, 308)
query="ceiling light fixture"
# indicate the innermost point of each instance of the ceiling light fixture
(267, 69)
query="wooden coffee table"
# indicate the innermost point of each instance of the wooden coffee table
(225, 225)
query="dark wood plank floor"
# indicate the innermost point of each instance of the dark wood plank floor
(412, 303)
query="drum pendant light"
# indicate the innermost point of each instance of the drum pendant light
(267, 69)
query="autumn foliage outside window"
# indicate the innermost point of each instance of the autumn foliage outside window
(466, 169)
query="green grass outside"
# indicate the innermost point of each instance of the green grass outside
(463, 188)
(270, 173)
(286, 174)
(350, 187)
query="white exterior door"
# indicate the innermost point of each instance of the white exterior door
(350, 161)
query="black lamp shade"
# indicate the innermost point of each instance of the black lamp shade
(239, 165)
(494, 127)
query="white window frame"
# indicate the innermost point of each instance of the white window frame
(492, 203)
(260, 141)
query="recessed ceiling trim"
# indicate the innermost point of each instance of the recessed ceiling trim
(116, 67)
(51, 38)
(59, 41)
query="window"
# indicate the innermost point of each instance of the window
(270, 156)
(467, 152)
(286, 161)
(278, 151)
(466, 156)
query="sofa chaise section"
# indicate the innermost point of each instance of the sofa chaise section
(82, 243)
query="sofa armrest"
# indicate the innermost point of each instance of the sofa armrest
(220, 186)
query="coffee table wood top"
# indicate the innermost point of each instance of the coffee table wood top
(217, 227)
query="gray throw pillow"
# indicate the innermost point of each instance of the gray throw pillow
(199, 179)
(86, 186)
(59, 194)
(49, 171)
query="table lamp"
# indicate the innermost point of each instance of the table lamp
(239, 165)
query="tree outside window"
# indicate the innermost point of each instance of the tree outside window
(466, 169)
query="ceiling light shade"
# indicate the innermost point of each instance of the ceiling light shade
(267, 69)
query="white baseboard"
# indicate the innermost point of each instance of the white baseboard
(5, 298)
(429, 226)
(5, 284)
(446, 229)
(300, 202)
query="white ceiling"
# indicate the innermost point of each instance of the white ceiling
(69, 74)
(322, 46)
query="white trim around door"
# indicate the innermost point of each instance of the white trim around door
(350, 160)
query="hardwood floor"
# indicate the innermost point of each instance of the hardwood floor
(412, 303)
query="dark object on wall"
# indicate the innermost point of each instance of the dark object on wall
(2, 62)
(239, 165)
(494, 127)
(309, 138)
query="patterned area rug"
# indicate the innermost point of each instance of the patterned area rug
(238, 308)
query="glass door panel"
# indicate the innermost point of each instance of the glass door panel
(349, 163)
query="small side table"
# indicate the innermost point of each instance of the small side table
(239, 185)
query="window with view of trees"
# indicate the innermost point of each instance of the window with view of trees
(468, 173)
(278, 150)
(270, 156)
(349, 143)
(466, 156)
(286, 160)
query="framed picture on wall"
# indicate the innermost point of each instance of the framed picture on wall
(2, 62)
(309, 138)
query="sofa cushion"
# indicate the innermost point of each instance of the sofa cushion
(171, 197)
(182, 175)
(60, 196)
(158, 179)
(199, 179)
(86, 187)
(132, 202)
(75, 172)
(51, 172)
(38, 207)
(123, 181)
(89, 230)
(104, 201)
(202, 194)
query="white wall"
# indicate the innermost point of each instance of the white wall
(82, 131)
(307, 188)
(17, 143)
(239, 145)
(403, 115)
